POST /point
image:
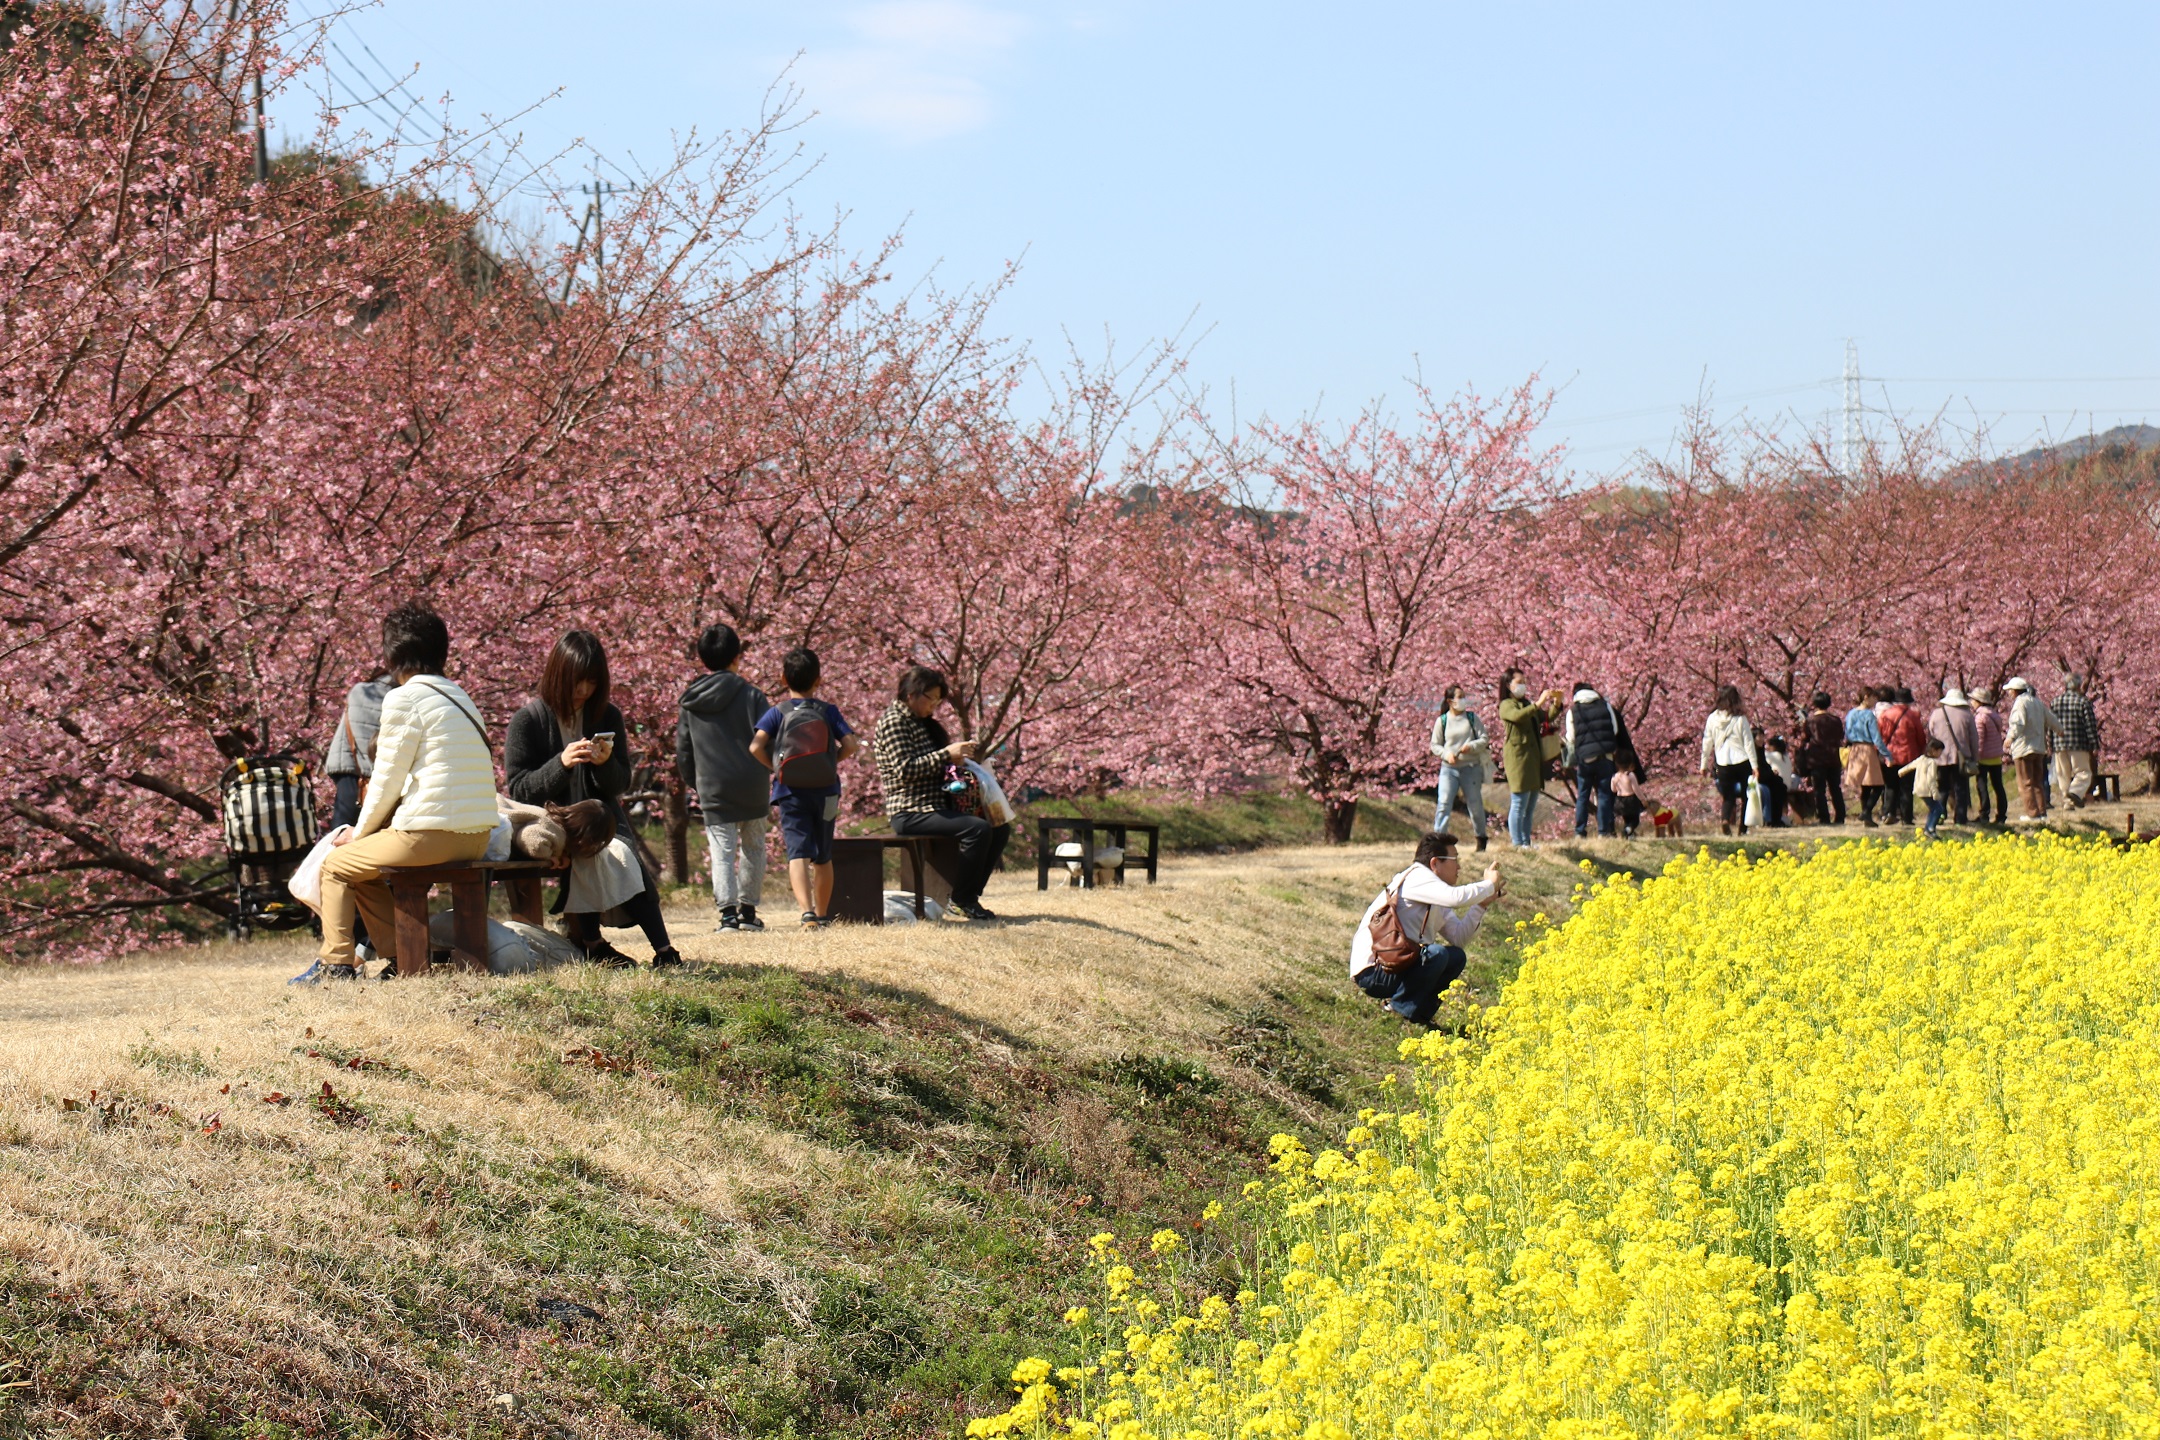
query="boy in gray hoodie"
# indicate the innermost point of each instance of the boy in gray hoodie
(712, 754)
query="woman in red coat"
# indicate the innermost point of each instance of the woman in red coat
(1904, 735)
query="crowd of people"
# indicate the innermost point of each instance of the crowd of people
(1914, 764)
(1896, 754)
(414, 784)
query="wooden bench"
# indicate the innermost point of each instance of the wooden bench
(410, 886)
(928, 866)
(1084, 832)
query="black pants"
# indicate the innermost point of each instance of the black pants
(1869, 794)
(1732, 792)
(1829, 783)
(1897, 797)
(643, 909)
(1991, 775)
(977, 851)
(1953, 789)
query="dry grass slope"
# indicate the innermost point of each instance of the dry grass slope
(823, 1184)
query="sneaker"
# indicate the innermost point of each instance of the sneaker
(730, 918)
(810, 920)
(601, 953)
(975, 911)
(747, 918)
(318, 972)
(668, 959)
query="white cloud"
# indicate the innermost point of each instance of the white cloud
(915, 70)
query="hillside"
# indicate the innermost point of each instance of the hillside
(827, 1185)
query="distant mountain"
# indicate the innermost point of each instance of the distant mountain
(2123, 440)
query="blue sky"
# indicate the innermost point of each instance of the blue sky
(1633, 201)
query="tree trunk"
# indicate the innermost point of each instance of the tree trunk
(678, 830)
(1340, 815)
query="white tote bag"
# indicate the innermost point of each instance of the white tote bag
(1753, 814)
(306, 882)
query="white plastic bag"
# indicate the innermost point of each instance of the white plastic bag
(498, 840)
(900, 908)
(1752, 816)
(547, 948)
(996, 808)
(509, 953)
(306, 882)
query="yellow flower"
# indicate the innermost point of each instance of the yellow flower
(1860, 1142)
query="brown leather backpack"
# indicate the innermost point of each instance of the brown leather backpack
(1393, 950)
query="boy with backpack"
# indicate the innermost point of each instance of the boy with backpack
(718, 719)
(802, 740)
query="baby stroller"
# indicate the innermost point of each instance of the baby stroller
(269, 813)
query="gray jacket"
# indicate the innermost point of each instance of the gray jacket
(352, 742)
(712, 747)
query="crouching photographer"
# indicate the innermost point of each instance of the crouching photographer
(1408, 948)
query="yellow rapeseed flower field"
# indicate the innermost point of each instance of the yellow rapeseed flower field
(1853, 1145)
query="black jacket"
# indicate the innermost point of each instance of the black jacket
(532, 757)
(712, 747)
(1599, 730)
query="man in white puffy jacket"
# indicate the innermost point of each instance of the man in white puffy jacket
(431, 800)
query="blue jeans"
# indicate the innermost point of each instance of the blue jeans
(1521, 806)
(1414, 994)
(1936, 805)
(1594, 775)
(1468, 781)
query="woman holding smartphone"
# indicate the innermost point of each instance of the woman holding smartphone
(565, 746)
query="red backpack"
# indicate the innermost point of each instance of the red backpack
(803, 750)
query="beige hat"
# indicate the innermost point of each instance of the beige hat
(1955, 696)
(2016, 682)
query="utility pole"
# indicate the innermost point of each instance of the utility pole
(594, 217)
(262, 130)
(1849, 449)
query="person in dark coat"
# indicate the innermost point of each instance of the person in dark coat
(719, 714)
(1595, 737)
(1822, 735)
(565, 746)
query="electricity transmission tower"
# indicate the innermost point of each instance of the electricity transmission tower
(1849, 448)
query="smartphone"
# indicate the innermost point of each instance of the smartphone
(607, 735)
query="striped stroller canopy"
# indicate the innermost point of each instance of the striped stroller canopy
(269, 806)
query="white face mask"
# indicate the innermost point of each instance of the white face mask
(1519, 690)
(1454, 705)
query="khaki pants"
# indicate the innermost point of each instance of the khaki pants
(2074, 773)
(352, 881)
(2032, 787)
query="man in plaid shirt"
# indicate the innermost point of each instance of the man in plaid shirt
(2077, 742)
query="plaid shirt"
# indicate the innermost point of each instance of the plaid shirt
(910, 762)
(2080, 729)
